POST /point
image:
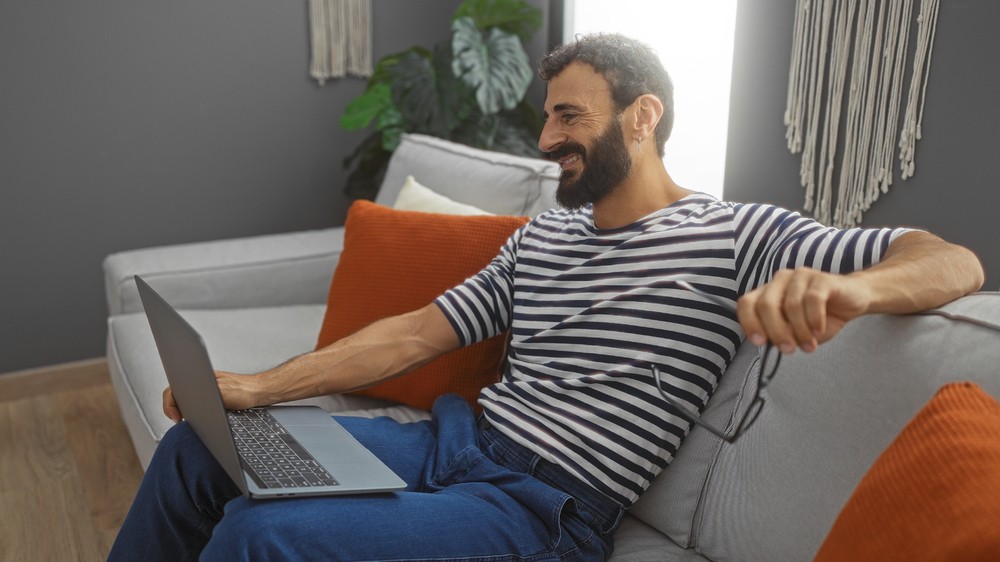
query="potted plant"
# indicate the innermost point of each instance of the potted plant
(469, 90)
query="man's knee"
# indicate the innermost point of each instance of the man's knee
(251, 531)
(178, 438)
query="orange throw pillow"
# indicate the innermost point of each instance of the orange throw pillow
(934, 494)
(398, 261)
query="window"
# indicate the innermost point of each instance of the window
(695, 43)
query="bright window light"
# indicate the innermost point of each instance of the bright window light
(695, 44)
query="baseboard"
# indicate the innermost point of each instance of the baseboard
(16, 385)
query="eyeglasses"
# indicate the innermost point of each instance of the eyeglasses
(751, 413)
(766, 375)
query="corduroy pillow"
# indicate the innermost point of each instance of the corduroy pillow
(398, 261)
(934, 494)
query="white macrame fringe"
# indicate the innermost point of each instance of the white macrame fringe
(341, 37)
(848, 64)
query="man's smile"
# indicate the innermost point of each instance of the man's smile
(569, 160)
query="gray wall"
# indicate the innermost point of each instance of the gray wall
(133, 124)
(954, 192)
(130, 124)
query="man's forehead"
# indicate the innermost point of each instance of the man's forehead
(577, 87)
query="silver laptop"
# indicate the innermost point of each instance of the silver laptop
(279, 451)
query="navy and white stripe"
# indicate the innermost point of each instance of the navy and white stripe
(589, 310)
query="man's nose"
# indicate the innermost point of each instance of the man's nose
(551, 137)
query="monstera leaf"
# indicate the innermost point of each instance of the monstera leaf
(512, 16)
(495, 66)
(429, 97)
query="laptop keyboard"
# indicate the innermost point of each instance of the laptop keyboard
(272, 457)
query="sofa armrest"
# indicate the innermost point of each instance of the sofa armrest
(272, 270)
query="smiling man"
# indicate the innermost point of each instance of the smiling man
(576, 428)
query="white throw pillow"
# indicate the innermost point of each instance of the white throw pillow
(415, 197)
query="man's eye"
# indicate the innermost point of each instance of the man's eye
(569, 117)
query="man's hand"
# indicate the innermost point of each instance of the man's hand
(170, 408)
(239, 392)
(802, 308)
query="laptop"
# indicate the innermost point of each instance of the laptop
(273, 452)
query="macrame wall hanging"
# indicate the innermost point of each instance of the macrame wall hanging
(845, 93)
(341, 33)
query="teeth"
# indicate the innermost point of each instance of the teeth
(571, 160)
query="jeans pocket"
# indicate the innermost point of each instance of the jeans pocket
(576, 539)
(458, 469)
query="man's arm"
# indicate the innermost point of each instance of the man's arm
(378, 352)
(805, 307)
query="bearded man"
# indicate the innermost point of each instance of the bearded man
(593, 294)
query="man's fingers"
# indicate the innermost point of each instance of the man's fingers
(805, 307)
(170, 408)
(762, 317)
(815, 304)
(801, 308)
(790, 311)
(746, 312)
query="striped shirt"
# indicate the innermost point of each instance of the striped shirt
(589, 310)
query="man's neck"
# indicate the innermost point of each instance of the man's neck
(648, 189)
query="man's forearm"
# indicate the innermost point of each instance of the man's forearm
(920, 271)
(804, 307)
(378, 352)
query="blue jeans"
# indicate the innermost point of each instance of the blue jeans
(473, 494)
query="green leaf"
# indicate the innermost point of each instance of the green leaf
(382, 74)
(496, 67)
(430, 99)
(362, 109)
(457, 98)
(415, 92)
(513, 16)
(478, 131)
(390, 122)
(514, 138)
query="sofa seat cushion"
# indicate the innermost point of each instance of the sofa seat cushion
(636, 541)
(238, 340)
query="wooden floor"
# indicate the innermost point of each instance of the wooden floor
(67, 468)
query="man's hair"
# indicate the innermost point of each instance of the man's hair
(631, 68)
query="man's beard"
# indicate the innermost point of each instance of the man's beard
(605, 165)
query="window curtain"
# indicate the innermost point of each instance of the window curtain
(341, 34)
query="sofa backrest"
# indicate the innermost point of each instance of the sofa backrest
(775, 493)
(503, 184)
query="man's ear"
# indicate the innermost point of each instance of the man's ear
(648, 109)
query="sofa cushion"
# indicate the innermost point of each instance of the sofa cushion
(637, 542)
(934, 494)
(236, 273)
(417, 197)
(775, 493)
(499, 183)
(671, 502)
(398, 261)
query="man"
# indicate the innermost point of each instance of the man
(576, 430)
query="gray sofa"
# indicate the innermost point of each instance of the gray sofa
(773, 495)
